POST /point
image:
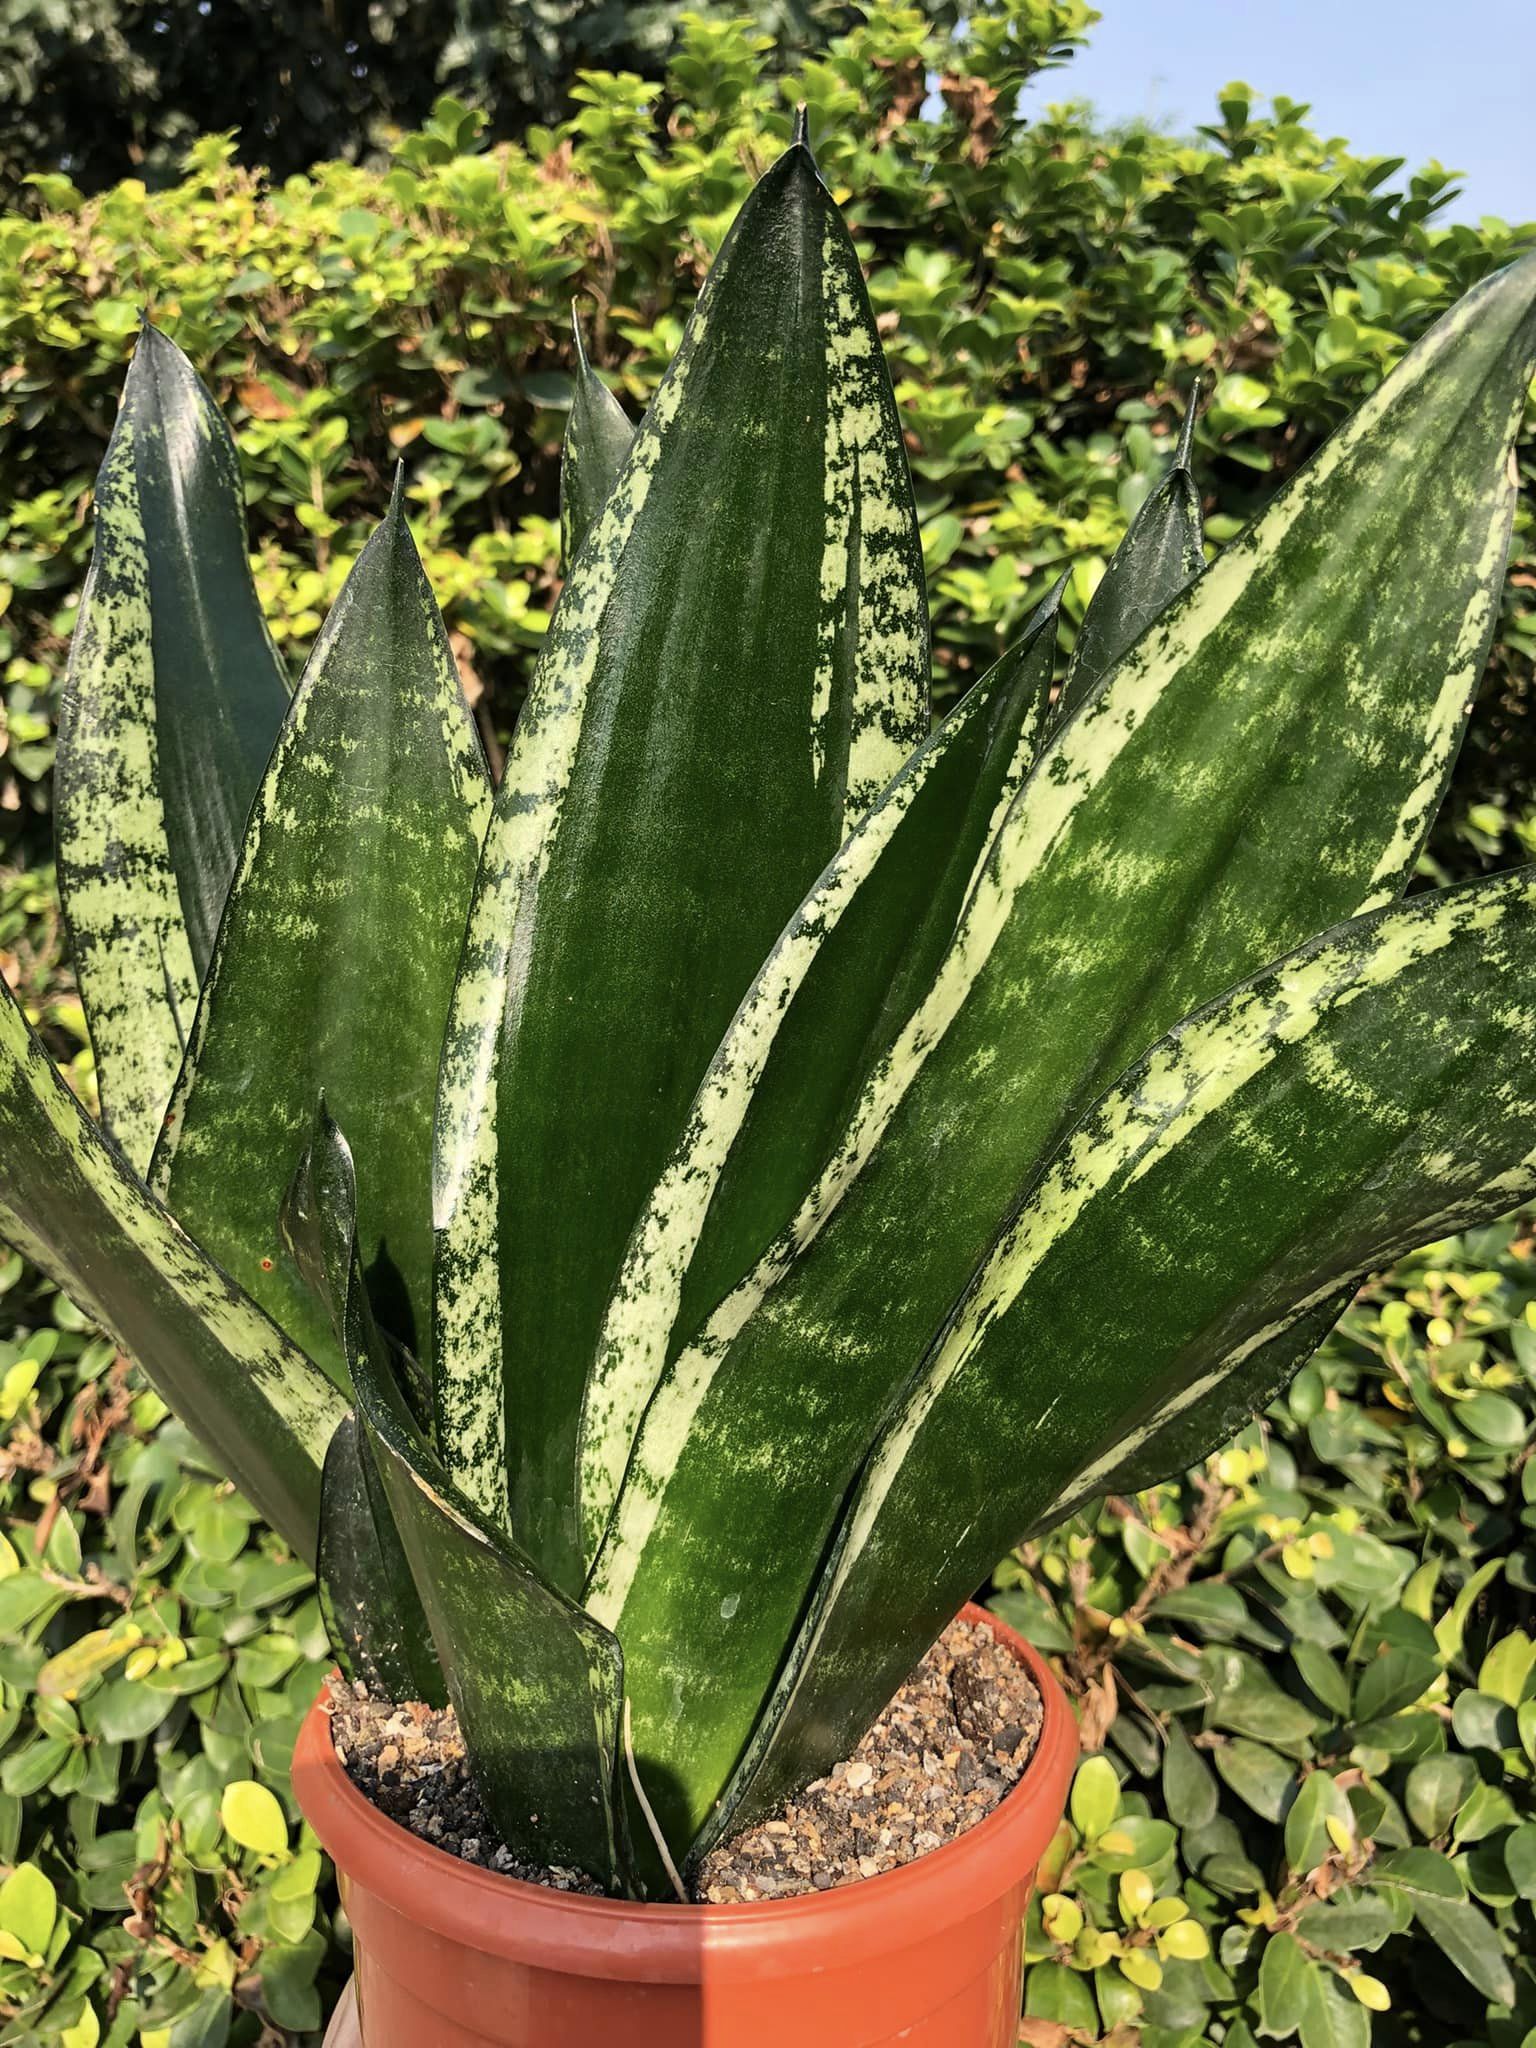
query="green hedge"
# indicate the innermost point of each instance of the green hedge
(1048, 294)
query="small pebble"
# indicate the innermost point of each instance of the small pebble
(947, 1749)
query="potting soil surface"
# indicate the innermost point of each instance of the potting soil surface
(948, 1748)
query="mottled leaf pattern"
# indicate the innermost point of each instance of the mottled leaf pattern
(335, 960)
(1163, 827)
(834, 992)
(173, 700)
(737, 667)
(1365, 1095)
(68, 1202)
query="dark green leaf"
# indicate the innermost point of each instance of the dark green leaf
(537, 1685)
(1054, 1992)
(1189, 1791)
(372, 1612)
(1282, 1969)
(1323, 1677)
(1483, 1722)
(737, 668)
(1260, 1778)
(1424, 1873)
(1307, 1840)
(1347, 1919)
(336, 956)
(1238, 1154)
(1298, 1995)
(1466, 1937)
(598, 435)
(1436, 1790)
(1256, 664)
(1160, 555)
(1520, 1859)
(808, 1033)
(1391, 1681)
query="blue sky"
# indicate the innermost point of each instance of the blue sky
(1410, 78)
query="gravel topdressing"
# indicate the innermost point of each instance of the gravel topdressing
(947, 1749)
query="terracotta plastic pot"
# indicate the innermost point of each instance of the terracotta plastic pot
(451, 1956)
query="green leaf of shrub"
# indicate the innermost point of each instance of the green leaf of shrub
(29, 1906)
(253, 1818)
(1466, 1937)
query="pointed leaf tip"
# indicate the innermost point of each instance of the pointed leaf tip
(802, 135)
(397, 493)
(1186, 443)
(578, 338)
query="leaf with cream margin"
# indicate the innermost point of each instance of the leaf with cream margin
(832, 995)
(1263, 763)
(172, 702)
(69, 1203)
(1361, 1097)
(737, 667)
(337, 953)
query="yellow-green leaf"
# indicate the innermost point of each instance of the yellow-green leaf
(252, 1816)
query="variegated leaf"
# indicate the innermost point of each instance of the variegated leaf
(1162, 554)
(598, 436)
(1249, 1383)
(70, 1204)
(537, 1685)
(832, 995)
(737, 667)
(173, 700)
(337, 953)
(1263, 763)
(1366, 1094)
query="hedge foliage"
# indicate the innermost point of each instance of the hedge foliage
(104, 89)
(1308, 1671)
(1048, 296)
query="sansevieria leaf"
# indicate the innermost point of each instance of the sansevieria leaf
(69, 1203)
(1367, 1093)
(373, 1613)
(1262, 764)
(598, 436)
(173, 700)
(337, 953)
(835, 990)
(522, 1662)
(1251, 1380)
(737, 667)
(1162, 554)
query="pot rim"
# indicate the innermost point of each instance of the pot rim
(602, 1937)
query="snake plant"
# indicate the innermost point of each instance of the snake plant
(656, 1232)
